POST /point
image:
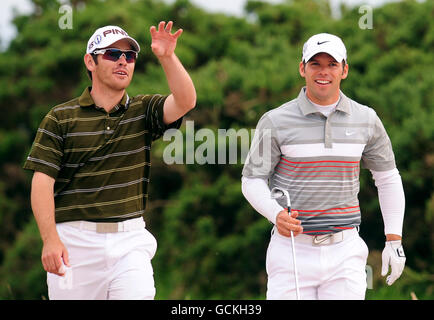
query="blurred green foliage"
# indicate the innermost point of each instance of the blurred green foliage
(212, 244)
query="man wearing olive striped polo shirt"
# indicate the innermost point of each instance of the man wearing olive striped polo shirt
(91, 162)
(312, 147)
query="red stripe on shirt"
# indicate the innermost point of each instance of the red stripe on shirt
(320, 214)
(317, 231)
(311, 167)
(308, 176)
(341, 228)
(320, 161)
(328, 209)
(315, 170)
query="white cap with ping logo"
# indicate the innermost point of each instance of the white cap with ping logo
(106, 36)
(325, 42)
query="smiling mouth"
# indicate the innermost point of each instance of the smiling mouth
(323, 82)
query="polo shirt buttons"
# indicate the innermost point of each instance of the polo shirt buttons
(328, 134)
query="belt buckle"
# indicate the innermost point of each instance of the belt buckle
(323, 239)
(106, 227)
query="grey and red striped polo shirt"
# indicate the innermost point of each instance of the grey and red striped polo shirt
(100, 160)
(317, 159)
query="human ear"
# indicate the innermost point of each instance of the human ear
(301, 69)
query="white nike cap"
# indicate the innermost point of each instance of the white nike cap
(325, 42)
(106, 36)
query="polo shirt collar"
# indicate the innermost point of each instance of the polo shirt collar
(307, 107)
(344, 103)
(85, 100)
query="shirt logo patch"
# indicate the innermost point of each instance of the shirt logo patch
(349, 132)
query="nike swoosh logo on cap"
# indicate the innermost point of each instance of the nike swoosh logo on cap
(319, 43)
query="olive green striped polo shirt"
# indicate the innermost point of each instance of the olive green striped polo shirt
(100, 160)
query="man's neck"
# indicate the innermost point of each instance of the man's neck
(106, 98)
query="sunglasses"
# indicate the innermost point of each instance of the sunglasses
(114, 54)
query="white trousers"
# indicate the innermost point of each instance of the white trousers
(328, 272)
(104, 266)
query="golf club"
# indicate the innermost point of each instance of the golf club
(277, 193)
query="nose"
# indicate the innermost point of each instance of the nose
(324, 70)
(122, 59)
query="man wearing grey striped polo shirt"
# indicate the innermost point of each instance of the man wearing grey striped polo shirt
(91, 163)
(312, 147)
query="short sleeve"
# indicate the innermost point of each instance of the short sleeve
(264, 153)
(378, 153)
(47, 150)
(154, 109)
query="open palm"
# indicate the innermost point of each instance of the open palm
(163, 42)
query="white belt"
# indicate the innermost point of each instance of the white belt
(109, 227)
(320, 240)
(326, 239)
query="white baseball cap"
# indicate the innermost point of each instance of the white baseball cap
(325, 42)
(105, 36)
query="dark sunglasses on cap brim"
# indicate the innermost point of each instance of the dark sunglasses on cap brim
(114, 54)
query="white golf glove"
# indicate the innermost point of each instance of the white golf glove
(393, 255)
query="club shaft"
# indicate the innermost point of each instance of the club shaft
(294, 261)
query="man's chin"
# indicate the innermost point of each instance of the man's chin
(323, 96)
(120, 85)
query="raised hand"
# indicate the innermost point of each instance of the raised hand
(163, 41)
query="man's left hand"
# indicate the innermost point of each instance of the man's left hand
(393, 255)
(163, 41)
